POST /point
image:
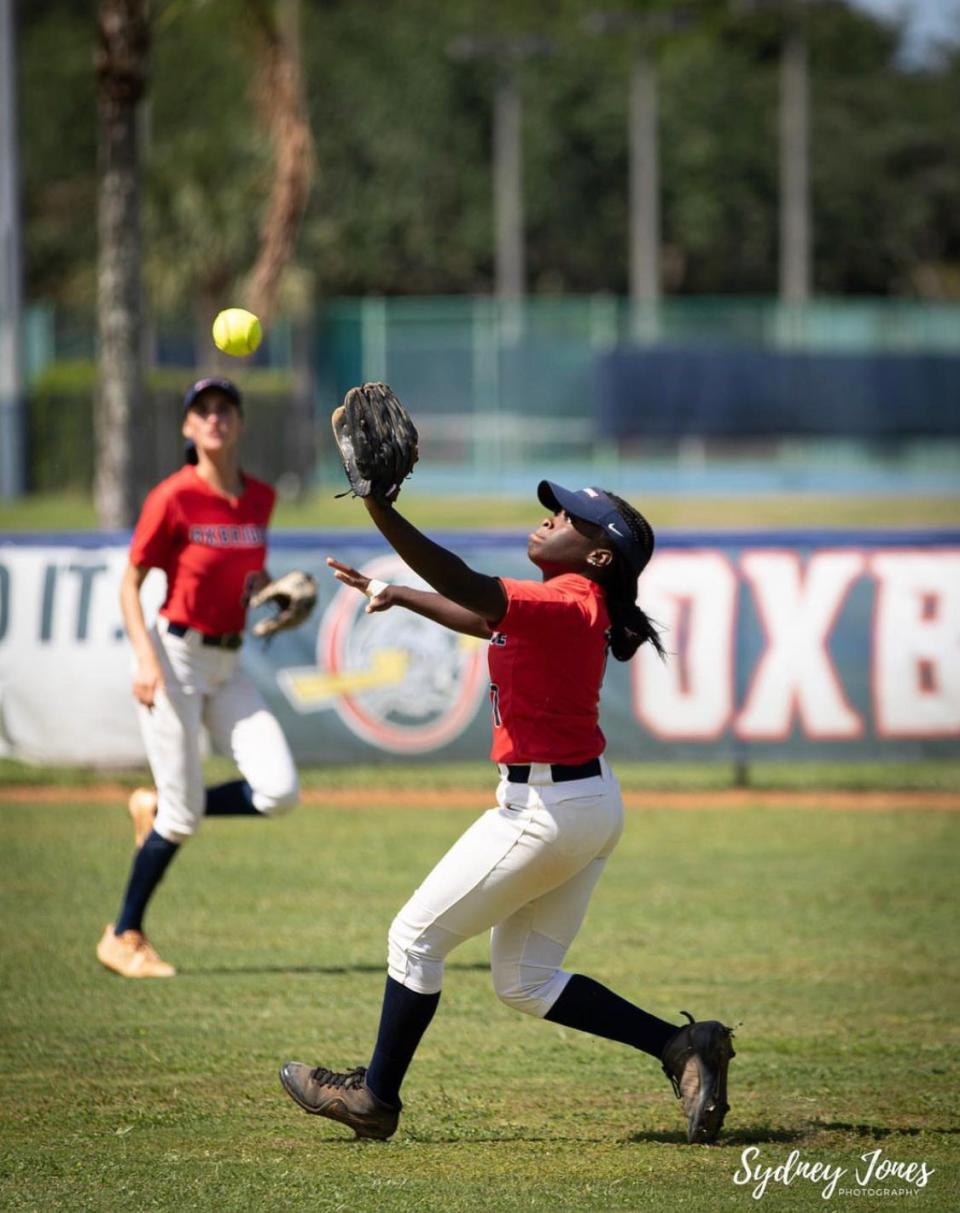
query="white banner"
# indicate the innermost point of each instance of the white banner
(65, 664)
(802, 647)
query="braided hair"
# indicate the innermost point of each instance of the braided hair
(630, 627)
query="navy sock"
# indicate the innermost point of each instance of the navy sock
(403, 1021)
(149, 865)
(234, 799)
(590, 1007)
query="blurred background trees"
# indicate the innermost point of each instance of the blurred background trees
(402, 198)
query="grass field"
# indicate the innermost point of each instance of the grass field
(937, 775)
(320, 511)
(830, 935)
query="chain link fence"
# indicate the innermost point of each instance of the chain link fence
(500, 389)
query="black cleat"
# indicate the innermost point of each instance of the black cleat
(696, 1061)
(343, 1097)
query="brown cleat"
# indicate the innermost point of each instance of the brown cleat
(696, 1061)
(131, 954)
(343, 1097)
(142, 807)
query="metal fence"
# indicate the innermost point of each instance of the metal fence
(501, 387)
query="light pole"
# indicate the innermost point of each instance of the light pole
(795, 261)
(12, 420)
(510, 272)
(643, 32)
(644, 178)
(795, 270)
(505, 325)
(507, 54)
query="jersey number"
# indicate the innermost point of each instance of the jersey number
(495, 703)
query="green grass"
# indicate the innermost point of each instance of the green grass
(938, 775)
(831, 936)
(321, 511)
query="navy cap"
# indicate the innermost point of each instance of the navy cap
(205, 385)
(596, 506)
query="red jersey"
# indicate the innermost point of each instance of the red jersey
(208, 545)
(547, 658)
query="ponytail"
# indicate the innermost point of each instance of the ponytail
(630, 626)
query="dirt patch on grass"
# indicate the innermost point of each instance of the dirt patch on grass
(382, 795)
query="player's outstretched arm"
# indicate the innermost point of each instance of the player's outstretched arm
(431, 606)
(440, 568)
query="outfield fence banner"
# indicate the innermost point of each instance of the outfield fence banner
(790, 645)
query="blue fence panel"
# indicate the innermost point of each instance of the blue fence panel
(728, 392)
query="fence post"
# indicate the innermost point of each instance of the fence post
(373, 339)
(603, 328)
(487, 454)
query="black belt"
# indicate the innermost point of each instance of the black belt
(226, 640)
(561, 774)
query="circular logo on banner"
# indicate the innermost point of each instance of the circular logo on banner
(409, 685)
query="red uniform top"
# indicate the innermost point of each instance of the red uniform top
(208, 545)
(547, 659)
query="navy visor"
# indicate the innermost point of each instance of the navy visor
(205, 385)
(594, 505)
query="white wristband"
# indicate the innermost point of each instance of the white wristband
(375, 587)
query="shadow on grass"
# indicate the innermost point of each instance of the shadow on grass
(313, 970)
(760, 1133)
(749, 1135)
(877, 1132)
(449, 1139)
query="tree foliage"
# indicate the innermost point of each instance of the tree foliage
(401, 201)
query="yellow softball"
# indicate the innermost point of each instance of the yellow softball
(237, 332)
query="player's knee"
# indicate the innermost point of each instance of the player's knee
(276, 801)
(177, 823)
(177, 837)
(413, 958)
(533, 991)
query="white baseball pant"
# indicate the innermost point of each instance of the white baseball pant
(207, 686)
(525, 871)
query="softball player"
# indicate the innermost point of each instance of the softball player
(206, 527)
(526, 869)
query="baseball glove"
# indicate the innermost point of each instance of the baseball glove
(294, 596)
(377, 441)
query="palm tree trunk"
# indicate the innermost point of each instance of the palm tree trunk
(123, 48)
(279, 97)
